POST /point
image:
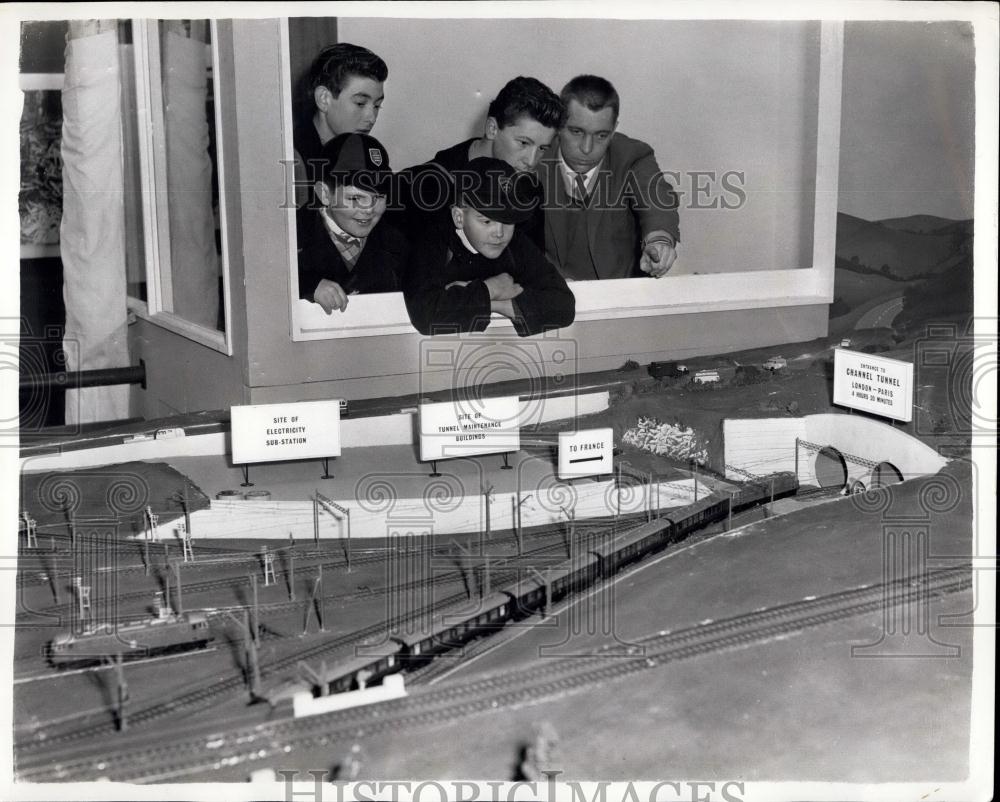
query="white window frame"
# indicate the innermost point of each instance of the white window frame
(157, 308)
(385, 313)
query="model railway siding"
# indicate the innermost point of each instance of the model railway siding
(210, 749)
(302, 567)
(578, 572)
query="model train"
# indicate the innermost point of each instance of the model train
(410, 645)
(164, 634)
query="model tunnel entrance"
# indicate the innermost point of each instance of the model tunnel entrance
(831, 468)
(884, 474)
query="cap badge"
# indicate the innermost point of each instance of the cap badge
(376, 156)
(505, 183)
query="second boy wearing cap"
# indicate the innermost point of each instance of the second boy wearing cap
(459, 278)
(521, 124)
(343, 248)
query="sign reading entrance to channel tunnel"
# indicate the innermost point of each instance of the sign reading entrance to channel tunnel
(469, 427)
(296, 430)
(873, 384)
(588, 452)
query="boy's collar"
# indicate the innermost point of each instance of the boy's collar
(465, 241)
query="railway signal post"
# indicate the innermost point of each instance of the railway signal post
(252, 669)
(253, 587)
(177, 581)
(268, 567)
(152, 523)
(122, 693)
(82, 596)
(488, 497)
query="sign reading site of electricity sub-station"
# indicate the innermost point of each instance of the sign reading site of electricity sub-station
(586, 453)
(873, 384)
(469, 427)
(297, 430)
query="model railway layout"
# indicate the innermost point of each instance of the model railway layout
(410, 641)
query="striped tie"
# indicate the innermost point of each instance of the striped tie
(581, 189)
(350, 248)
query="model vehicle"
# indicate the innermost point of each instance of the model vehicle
(845, 343)
(169, 434)
(411, 645)
(137, 438)
(706, 377)
(776, 363)
(161, 634)
(666, 370)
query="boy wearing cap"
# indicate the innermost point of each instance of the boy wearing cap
(343, 250)
(459, 278)
(345, 95)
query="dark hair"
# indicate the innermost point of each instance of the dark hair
(527, 97)
(593, 92)
(336, 63)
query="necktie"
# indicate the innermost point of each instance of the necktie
(581, 189)
(350, 247)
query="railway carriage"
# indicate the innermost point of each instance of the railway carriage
(459, 623)
(632, 546)
(527, 596)
(574, 574)
(368, 667)
(777, 485)
(135, 640)
(451, 627)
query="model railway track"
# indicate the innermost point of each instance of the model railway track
(40, 575)
(239, 582)
(205, 694)
(209, 750)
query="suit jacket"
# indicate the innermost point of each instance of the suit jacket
(441, 259)
(379, 268)
(629, 199)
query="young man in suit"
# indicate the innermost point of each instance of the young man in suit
(608, 211)
(343, 250)
(483, 265)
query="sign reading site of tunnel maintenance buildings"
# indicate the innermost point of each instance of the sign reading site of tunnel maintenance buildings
(873, 384)
(588, 452)
(469, 427)
(296, 430)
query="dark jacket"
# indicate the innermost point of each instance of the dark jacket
(379, 267)
(308, 146)
(630, 199)
(545, 303)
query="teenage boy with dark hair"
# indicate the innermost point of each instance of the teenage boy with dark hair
(458, 278)
(609, 213)
(345, 94)
(521, 123)
(343, 249)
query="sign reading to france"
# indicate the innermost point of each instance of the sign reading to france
(588, 452)
(296, 430)
(873, 384)
(469, 427)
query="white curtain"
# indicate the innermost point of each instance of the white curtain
(93, 225)
(194, 259)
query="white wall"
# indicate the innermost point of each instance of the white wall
(707, 95)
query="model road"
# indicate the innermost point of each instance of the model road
(881, 316)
